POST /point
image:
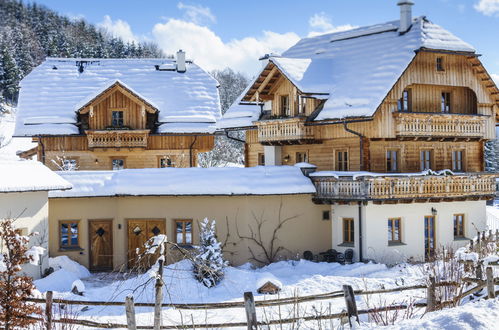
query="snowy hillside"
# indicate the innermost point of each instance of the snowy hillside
(8, 145)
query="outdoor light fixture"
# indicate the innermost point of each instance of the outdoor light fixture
(433, 211)
(96, 161)
(287, 158)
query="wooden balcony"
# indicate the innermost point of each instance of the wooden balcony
(117, 139)
(284, 131)
(404, 188)
(438, 126)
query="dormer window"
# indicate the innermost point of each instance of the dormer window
(440, 64)
(117, 118)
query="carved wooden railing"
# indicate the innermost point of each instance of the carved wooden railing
(404, 187)
(439, 125)
(117, 139)
(283, 130)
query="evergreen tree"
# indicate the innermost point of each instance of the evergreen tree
(11, 74)
(209, 263)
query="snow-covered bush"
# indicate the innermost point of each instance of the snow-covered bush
(209, 263)
(15, 288)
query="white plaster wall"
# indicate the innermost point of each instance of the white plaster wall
(375, 227)
(31, 211)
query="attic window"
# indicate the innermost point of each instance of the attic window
(284, 105)
(117, 119)
(440, 64)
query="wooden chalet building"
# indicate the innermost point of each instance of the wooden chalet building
(379, 110)
(103, 114)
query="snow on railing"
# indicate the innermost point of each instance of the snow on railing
(401, 187)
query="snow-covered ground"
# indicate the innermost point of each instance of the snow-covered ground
(297, 278)
(9, 145)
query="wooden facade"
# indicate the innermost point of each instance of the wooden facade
(469, 120)
(437, 119)
(117, 124)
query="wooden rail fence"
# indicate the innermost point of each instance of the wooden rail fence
(250, 306)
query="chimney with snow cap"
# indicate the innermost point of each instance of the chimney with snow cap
(405, 15)
(181, 61)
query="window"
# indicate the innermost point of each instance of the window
(458, 225)
(301, 157)
(69, 237)
(348, 230)
(285, 105)
(118, 164)
(261, 159)
(404, 104)
(183, 231)
(425, 159)
(392, 158)
(326, 215)
(165, 162)
(302, 105)
(440, 64)
(445, 102)
(117, 119)
(69, 165)
(394, 232)
(458, 160)
(342, 160)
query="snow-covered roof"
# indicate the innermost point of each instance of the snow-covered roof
(52, 93)
(357, 68)
(260, 180)
(19, 176)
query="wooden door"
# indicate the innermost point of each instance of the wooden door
(139, 231)
(101, 244)
(429, 236)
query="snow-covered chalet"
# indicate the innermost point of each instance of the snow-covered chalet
(394, 116)
(104, 114)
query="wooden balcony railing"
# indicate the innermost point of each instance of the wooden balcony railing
(117, 139)
(439, 125)
(404, 187)
(292, 130)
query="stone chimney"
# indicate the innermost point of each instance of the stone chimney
(181, 61)
(405, 15)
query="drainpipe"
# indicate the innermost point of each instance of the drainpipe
(43, 149)
(360, 232)
(191, 163)
(233, 138)
(361, 139)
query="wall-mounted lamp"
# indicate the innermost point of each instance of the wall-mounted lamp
(287, 158)
(96, 161)
(433, 211)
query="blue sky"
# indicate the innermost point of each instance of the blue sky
(219, 33)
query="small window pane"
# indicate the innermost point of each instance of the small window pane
(118, 164)
(74, 234)
(117, 118)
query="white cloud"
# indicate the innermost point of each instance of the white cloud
(118, 28)
(495, 76)
(211, 52)
(197, 14)
(487, 7)
(321, 23)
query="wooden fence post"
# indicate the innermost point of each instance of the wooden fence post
(249, 305)
(478, 271)
(490, 282)
(130, 313)
(351, 304)
(430, 296)
(48, 309)
(159, 296)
